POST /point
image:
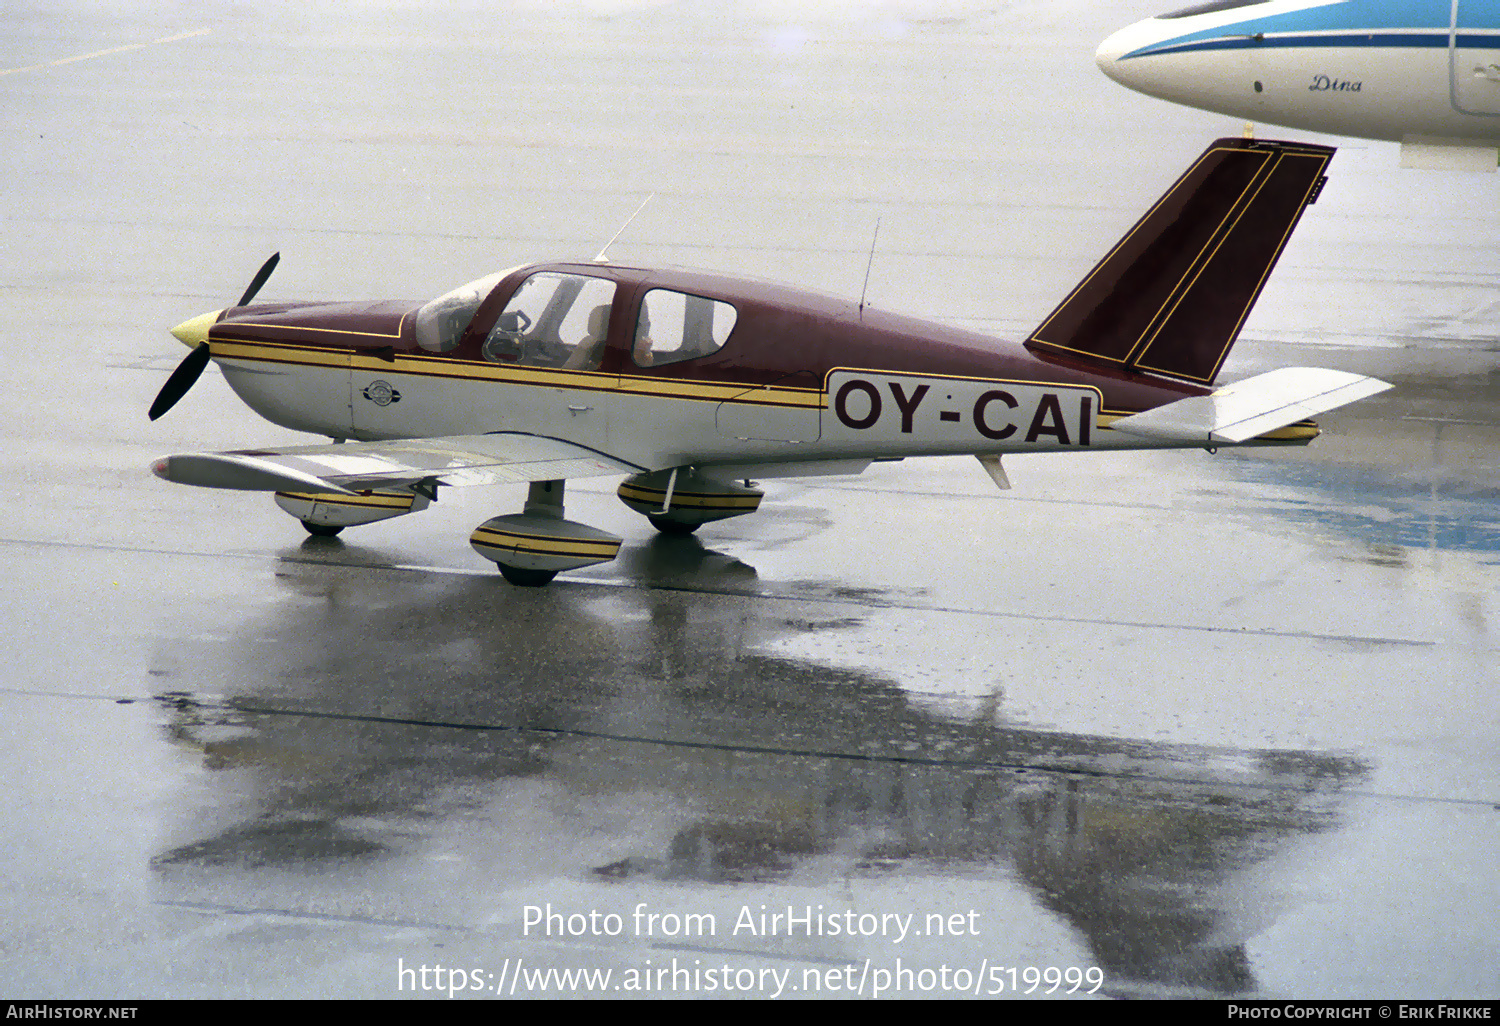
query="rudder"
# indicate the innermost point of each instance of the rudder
(1171, 296)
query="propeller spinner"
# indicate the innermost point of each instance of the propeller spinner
(194, 333)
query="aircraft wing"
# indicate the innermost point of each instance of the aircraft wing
(365, 466)
(1251, 407)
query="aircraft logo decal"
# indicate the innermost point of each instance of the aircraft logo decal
(381, 393)
(1323, 84)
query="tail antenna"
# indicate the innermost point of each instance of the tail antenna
(868, 264)
(602, 257)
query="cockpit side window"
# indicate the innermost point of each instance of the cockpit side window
(1212, 7)
(553, 320)
(676, 326)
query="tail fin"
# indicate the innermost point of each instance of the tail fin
(1171, 296)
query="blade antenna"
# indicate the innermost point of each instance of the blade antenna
(601, 258)
(868, 264)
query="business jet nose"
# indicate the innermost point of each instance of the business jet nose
(1109, 53)
(1121, 59)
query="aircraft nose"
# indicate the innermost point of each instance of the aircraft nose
(1121, 56)
(1109, 53)
(193, 332)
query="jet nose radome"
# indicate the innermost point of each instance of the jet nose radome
(193, 332)
(1121, 56)
(1109, 53)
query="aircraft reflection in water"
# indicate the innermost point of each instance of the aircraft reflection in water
(1425, 73)
(774, 765)
(1409, 479)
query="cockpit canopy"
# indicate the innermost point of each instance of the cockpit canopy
(560, 318)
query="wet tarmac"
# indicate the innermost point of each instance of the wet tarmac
(1147, 725)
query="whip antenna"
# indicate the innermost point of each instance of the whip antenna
(601, 258)
(868, 264)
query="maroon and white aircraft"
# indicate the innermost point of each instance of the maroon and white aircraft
(691, 383)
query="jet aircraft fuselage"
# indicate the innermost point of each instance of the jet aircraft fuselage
(1425, 73)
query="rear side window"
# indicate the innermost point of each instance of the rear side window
(677, 326)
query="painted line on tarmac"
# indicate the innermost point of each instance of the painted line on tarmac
(105, 53)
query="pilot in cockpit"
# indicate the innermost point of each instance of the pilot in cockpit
(589, 352)
(643, 349)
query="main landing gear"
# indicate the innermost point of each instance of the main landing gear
(535, 545)
(682, 500)
(325, 514)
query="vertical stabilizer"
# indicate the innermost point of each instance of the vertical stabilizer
(1171, 296)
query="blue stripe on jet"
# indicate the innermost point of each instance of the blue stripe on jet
(1358, 16)
(1362, 41)
(1360, 19)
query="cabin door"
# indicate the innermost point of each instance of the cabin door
(1473, 61)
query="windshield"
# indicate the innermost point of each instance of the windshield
(441, 322)
(1212, 7)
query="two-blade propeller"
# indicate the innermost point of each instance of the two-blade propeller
(186, 374)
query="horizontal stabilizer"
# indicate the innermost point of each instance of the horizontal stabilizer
(363, 466)
(1252, 407)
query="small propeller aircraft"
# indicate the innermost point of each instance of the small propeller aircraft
(691, 383)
